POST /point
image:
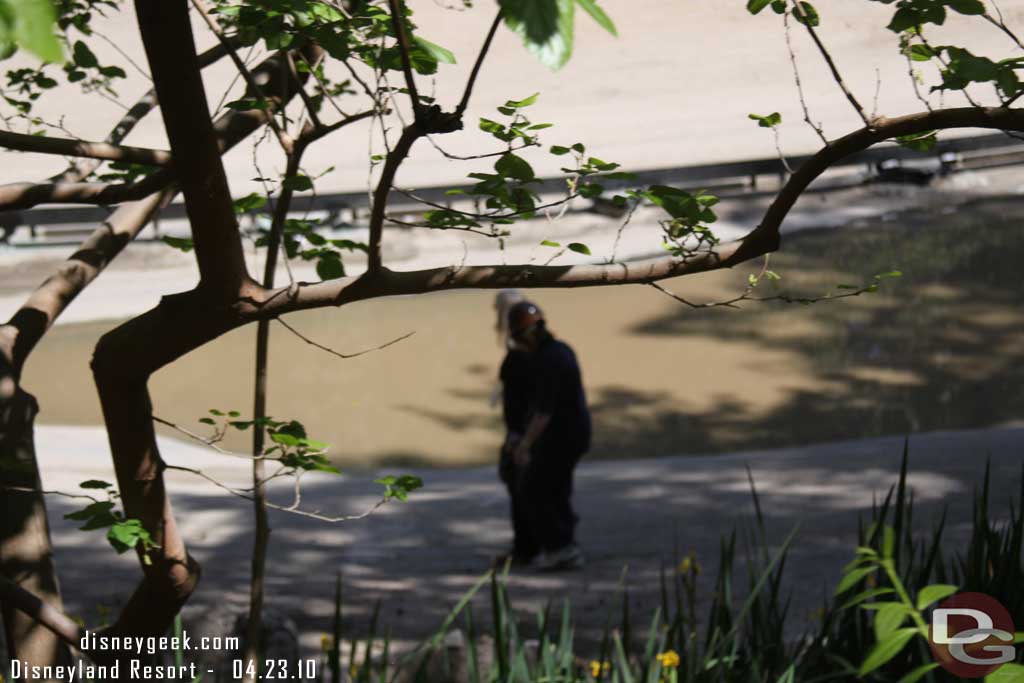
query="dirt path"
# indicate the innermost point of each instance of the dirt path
(419, 557)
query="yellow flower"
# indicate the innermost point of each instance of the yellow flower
(325, 642)
(597, 668)
(689, 564)
(669, 659)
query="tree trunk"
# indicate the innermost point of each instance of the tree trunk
(25, 549)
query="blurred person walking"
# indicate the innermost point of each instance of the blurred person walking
(548, 431)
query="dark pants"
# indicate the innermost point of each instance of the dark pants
(541, 495)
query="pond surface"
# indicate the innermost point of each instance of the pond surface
(939, 348)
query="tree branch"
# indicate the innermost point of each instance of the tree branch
(80, 148)
(805, 20)
(53, 620)
(339, 354)
(395, 157)
(398, 21)
(763, 239)
(468, 92)
(282, 137)
(80, 170)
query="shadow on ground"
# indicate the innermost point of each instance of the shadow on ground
(418, 558)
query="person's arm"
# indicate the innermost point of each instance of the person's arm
(534, 428)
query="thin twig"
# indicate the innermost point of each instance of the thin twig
(799, 83)
(240, 493)
(460, 228)
(62, 494)
(404, 48)
(282, 137)
(123, 54)
(1001, 25)
(468, 92)
(338, 353)
(784, 298)
(310, 109)
(474, 157)
(206, 442)
(805, 20)
(486, 216)
(622, 228)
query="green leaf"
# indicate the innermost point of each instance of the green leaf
(182, 243)
(885, 650)
(919, 142)
(546, 27)
(920, 52)
(851, 579)
(558, 150)
(918, 673)
(549, 243)
(934, 593)
(329, 266)
(806, 14)
(83, 56)
(250, 202)
(101, 508)
(888, 541)
(512, 166)
(247, 104)
(866, 595)
(297, 183)
(525, 102)
(95, 484)
(755, 6)
(888, 619)
(597, 14)
(30, 24)
(127, 534)
(768, 120)
(436, 51)
(1007, 673)
(579, 248)
(399, 487)
(966, 6)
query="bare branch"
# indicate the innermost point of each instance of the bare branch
(212, 443)
(80, 170)
(61, 494)
(26, 195)
(292, 509)
(282, 137)
(394, 159)
(799, 83)
(80, 148)
(763, 239)
(468, 92)
(300, 86)
(338, 353)
(57, 622)
(1001, 25)
(805, 20)
(404, 48)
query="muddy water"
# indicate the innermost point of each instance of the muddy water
(941, 347)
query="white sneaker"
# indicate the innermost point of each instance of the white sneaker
(562, 559)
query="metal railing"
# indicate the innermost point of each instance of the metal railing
(66, 224)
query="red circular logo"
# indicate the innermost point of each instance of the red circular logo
(971, 635)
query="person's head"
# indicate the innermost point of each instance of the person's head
(526, 325)
(503, 301)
